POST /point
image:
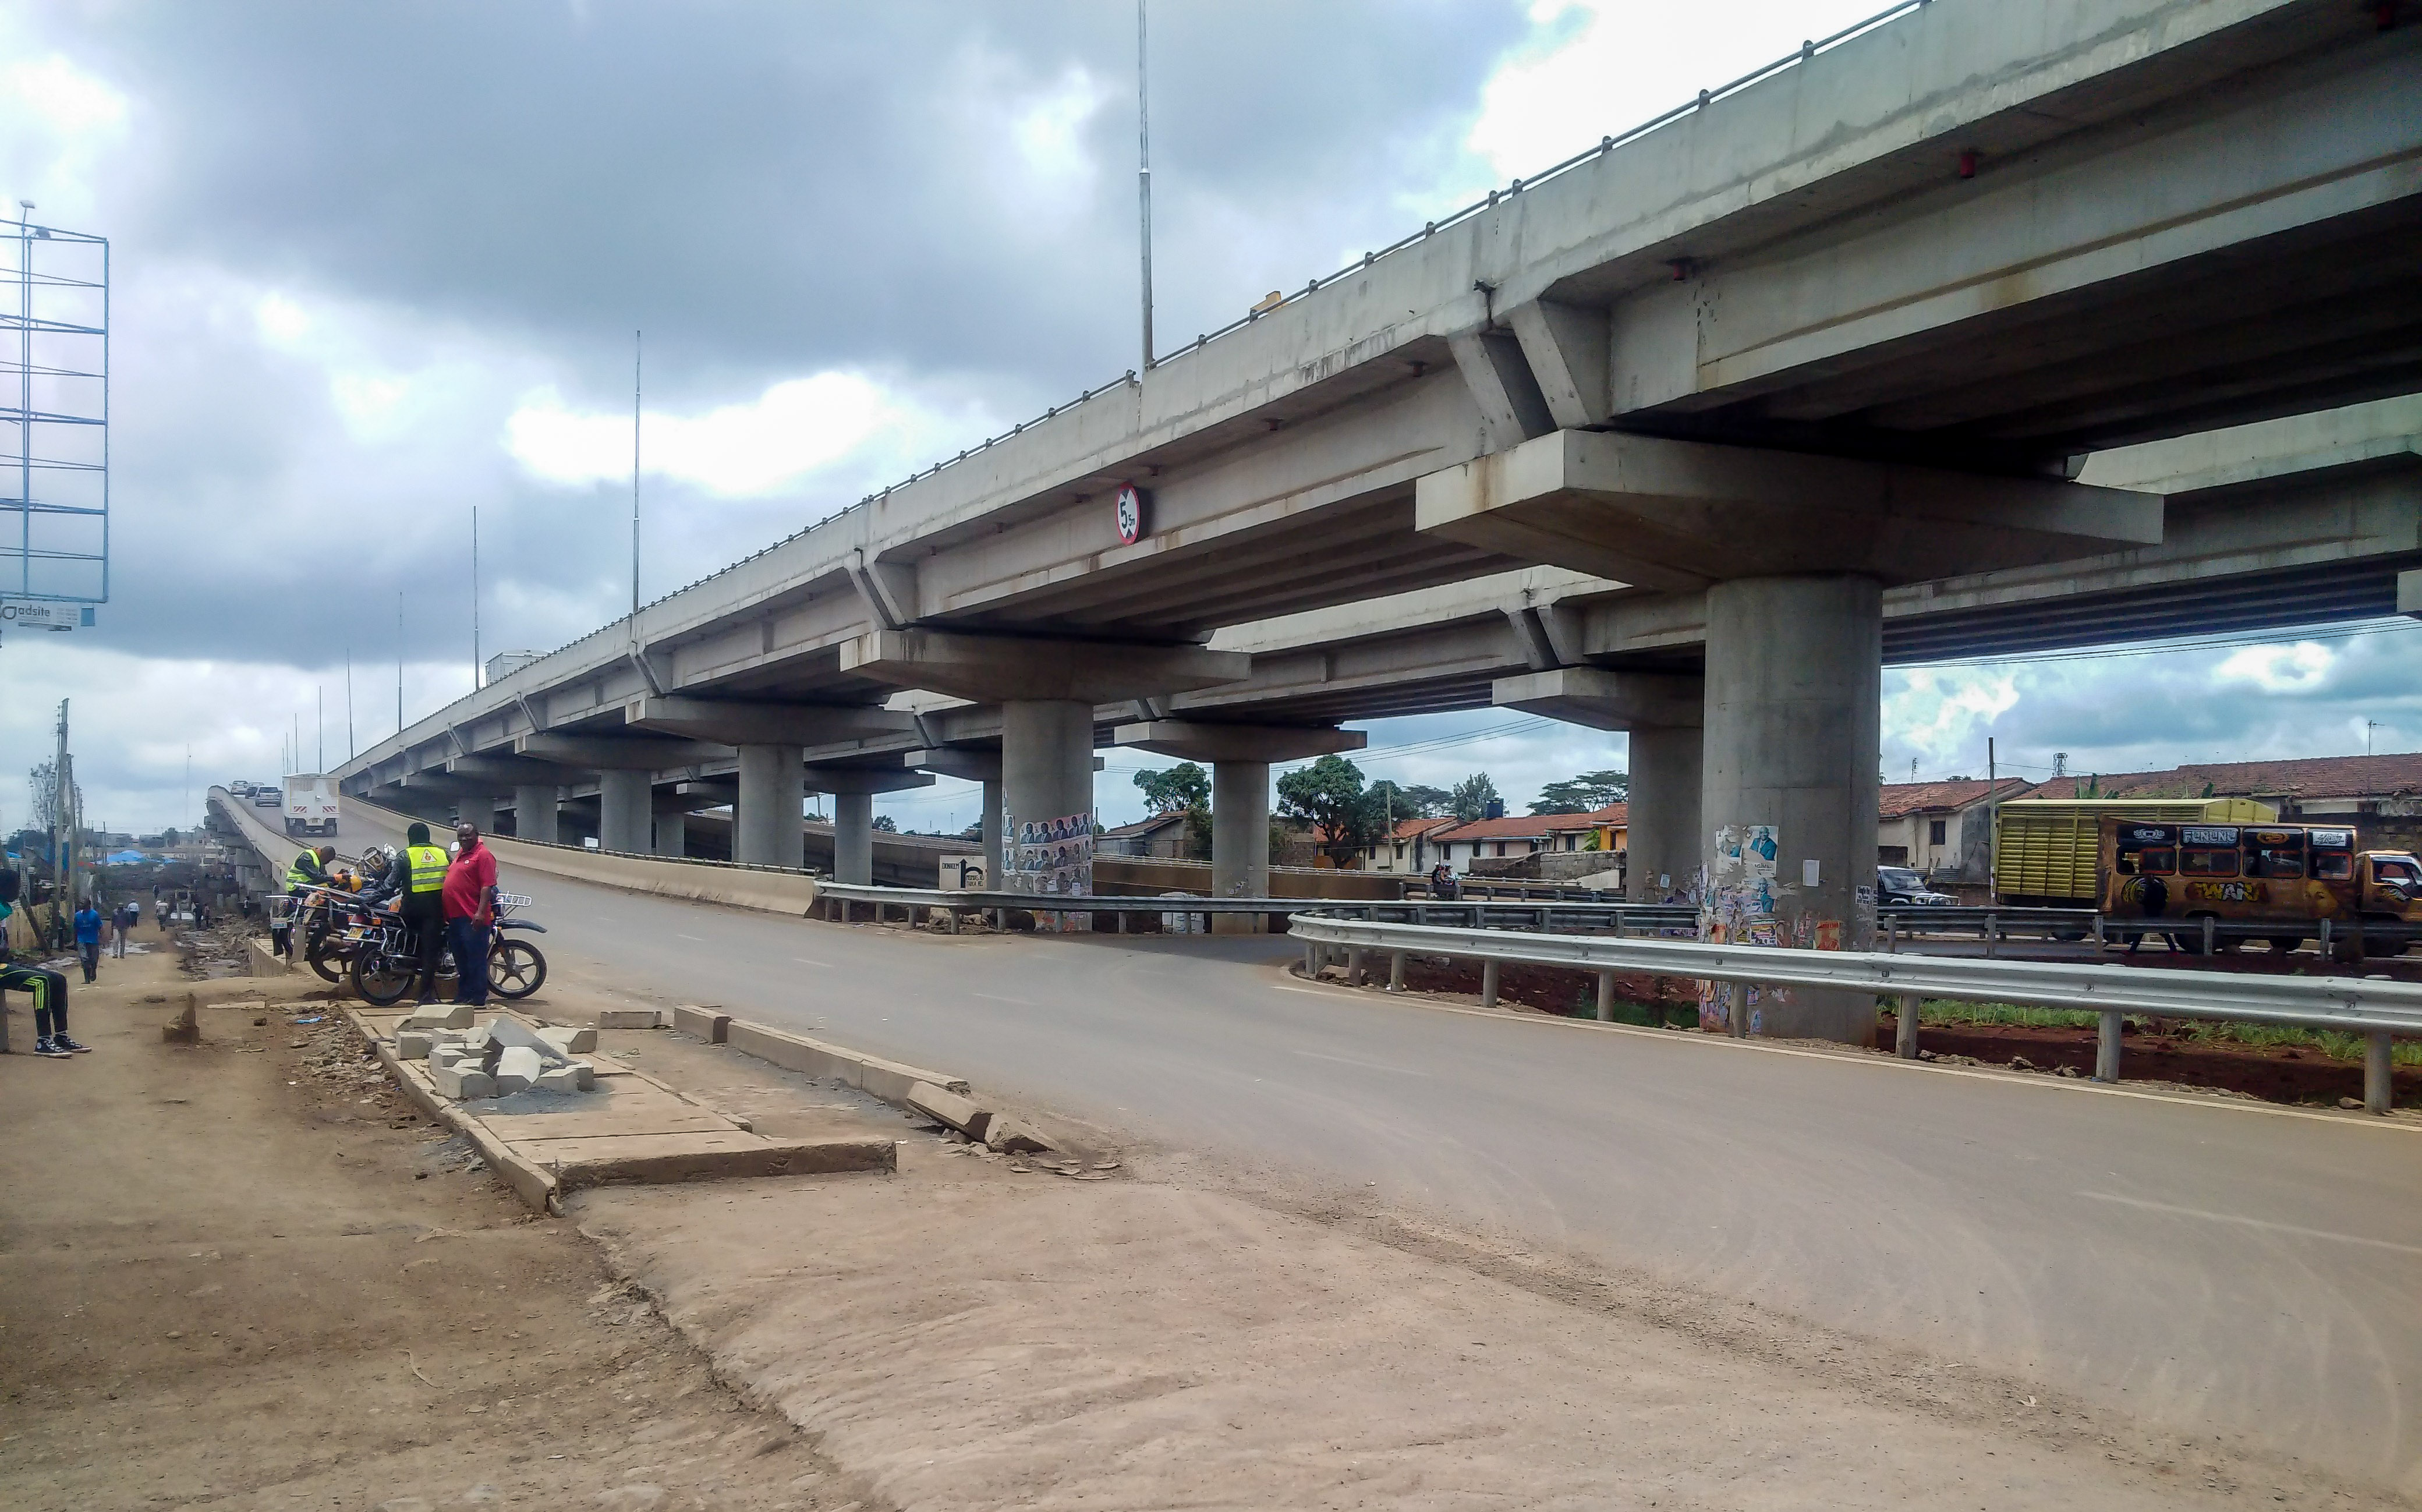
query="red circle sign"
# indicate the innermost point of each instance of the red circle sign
(1130, 515)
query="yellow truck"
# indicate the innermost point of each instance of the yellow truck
(2283, 878)
(2048, 852)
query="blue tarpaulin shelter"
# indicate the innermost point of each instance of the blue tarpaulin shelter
(124, 858)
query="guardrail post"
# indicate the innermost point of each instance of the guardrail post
(2323, 942)
(1123, 921)
(1606, 997)
(2106, 1047)
(1993, 936)
(2210, 928)
(1311, 961)
(1395, 970)
(1892, 937)
(1905, 1027)
(1489, 983)
(2097, 934)
(2379, 1069)
(1737, 1009)
(1354, 967)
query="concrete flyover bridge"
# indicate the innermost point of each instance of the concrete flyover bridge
(1837, 334)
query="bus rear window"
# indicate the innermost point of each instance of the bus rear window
(2208, 863)
(2334, 866)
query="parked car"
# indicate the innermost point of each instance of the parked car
(1900, 886)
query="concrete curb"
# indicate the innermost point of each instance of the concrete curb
(888, 1080)
(531, 1184)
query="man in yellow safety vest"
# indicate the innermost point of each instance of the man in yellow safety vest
(420, 899)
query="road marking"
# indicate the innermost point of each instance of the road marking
(1317, 992)
(994, 997)
(2297, 1229)
(1367, 1065)
(679, 936)
(804, 961)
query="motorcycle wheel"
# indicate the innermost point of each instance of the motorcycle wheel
(381, 979)
(516, 968)
(327, 958)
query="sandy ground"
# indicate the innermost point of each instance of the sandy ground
(966, 1336)
(243, 1275)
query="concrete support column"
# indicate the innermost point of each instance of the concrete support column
(992, 854)
(534, 812)
(1046, 765)
(1240, 840)
(1794, 688)
(672, 834)
(853, 837)
(479, 809)
(623, 820)
(767, 828)
(1662, 836)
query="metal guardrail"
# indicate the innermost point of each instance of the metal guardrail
(2378, 1009)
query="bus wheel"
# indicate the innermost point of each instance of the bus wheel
(2286, 944)
(2381, 946)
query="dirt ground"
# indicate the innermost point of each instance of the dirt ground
(245, 1275)
(242, 1274)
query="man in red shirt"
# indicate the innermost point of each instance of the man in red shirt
(470, 904)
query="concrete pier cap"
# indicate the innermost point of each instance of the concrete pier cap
(1792, 552)
(1046, 687)
(1240, 757)
(1664, 713)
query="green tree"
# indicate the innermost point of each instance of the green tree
(1414, 802)
(1584, 794)
(885, 823)
(1178, 789)
(1329, 794)
(1473, 797)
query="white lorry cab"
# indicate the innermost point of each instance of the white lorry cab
(311, 804)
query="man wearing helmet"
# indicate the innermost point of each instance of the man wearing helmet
(415, 877)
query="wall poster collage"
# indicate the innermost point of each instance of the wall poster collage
(1052, 856)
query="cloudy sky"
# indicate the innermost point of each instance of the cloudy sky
(379, 264)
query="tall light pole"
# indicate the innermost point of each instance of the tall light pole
(1143, 186)
(634, 485)
(350, 752)
(475, 598)
(399, 662)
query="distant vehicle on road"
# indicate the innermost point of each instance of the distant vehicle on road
(1900, 886)
(2294, 876)
(240, 787)
(267, 798)
(311, 804)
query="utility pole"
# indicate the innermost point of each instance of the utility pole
(321, 693)
(1143, 185)
(2369, 726)
(399, 662)
(350, 752)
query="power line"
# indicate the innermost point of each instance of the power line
(2341, 630)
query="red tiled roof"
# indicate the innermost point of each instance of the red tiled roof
(1613, 814)
(2311, 776)
(1900, 799)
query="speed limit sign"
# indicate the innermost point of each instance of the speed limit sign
(1130, 511)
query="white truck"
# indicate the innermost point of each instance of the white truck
(311, 804)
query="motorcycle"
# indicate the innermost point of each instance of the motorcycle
(384, 965)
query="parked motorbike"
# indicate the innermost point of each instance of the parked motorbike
(384, 965)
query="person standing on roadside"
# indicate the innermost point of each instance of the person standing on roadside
(121, 919)
(88, 939)
(417, 878)
(470, 904)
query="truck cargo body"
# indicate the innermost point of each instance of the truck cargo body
(2047, 853)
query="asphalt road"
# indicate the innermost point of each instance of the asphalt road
(2215, 1268)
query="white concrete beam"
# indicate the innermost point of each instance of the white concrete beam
(1004, 669)
(1512, 409)
(1604, 699)
(1567, 348)
(725, 723)
(599, 753)
(1684, 514)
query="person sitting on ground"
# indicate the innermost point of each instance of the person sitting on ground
(50, 994)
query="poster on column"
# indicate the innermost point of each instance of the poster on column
(1055, 857)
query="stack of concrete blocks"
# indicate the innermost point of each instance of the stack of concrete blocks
(501, 1059)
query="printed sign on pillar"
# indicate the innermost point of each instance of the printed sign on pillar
(1055, 857)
